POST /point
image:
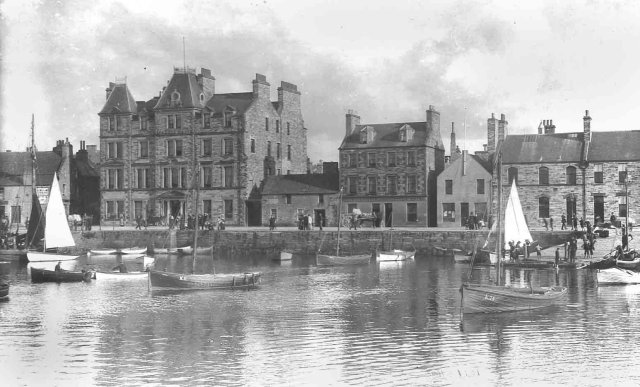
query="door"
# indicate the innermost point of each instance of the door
(571, 207)
(375, 210)
(598, 209)
(254, 212)
(388, 214)
(464, 213)
(319, 216)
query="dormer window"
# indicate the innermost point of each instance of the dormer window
(406, 133)
(363, 135)
(227, 118)
(175, 96)
(201, 98)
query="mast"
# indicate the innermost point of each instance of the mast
(195, 236)
(339, 221)
(499, 224)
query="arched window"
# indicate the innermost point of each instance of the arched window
(543, 176)
(543, 207)
(513, 175)
(571, 175)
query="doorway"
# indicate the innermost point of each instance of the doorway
(388, 214)
(464, 213)
(319, 218)
(254, 212)
(598, 209)
(571, 208)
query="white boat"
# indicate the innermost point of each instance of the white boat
(394, 254)
(103, 251)
(460, 256)
(286, 255)
(187, 250)
(157, 250)
(617, 276)
(148, 261)
(114, 275)
(133, 250)
(56, 232)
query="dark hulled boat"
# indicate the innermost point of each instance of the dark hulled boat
(43, 275)
(168, 281)
(4, 290)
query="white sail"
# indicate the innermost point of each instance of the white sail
(515, 226)
(56, 230)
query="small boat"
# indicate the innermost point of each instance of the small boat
(634, 264)
(35, 256)
(189, 250)
(44, 275)
(114, 275)
(286, 255)
(103, 251)
(617, 276)
(133, 250)
(440, 251)
(395, 255)
(337, 260)
(494, 299)
(147, 261)
(157, 250)
(4, 291)
(460, 256)
(176, 281)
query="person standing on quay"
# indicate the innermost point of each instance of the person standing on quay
(546, 225)
(581, 224)
(575, 222)
(563, 221)
(551, 223)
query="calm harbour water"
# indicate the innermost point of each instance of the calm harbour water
(382, 324)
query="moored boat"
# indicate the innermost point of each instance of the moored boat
(460, 256)
(160, 250)
(114, 275)
(342, 260)
(494, 299)
(133, 250)
(176, 281)
(286, 255)
(36, 256)
(44, 275)
(440, 251)
(187, 250)
(395, 255)
(617, 276)
(633, 264)
(103, 251)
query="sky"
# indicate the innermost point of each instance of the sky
(387, 60)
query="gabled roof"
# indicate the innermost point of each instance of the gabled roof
(387, 135)
(301, 184)
(186, 84)
(547, 148)
(120, 101)
(485, 163)
(614, 146)
(238, 101)
(15, 165)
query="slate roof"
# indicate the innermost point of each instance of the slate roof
(120, 101)
(485, 163)
(86, 168)
(538, 148)
(14, 165)
(239, 101)
(614, 146)
(387, 135)
(301, 184)
(148, 105)
(187, 85)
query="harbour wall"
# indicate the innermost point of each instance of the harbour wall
(249, 242)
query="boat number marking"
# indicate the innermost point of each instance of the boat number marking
(489, 297)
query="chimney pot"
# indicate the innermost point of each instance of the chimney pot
(502, 117)
(586, 113)
(492, 116)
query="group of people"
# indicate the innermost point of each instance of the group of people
(305, 222)
(518, 248)
(204, 222)
(474, 222)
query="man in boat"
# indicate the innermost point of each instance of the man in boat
(121, 267)
(58, 268)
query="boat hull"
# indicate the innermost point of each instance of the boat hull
(334, 260)
(165, 251)
(286, 255)
(34, 256)
(175, 281)
(43, 275)
(617, 276)
(134, 275)
(187, 250)
(461, 258)
(103, 251)
(134, 250)
(497, 299)
(394, 255)
(631, 265)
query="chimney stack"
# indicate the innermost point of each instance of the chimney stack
(491, 134)
(587, 126)
(352, 120)
(452, 146)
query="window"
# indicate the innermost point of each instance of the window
(114, 150)
(266, 123)
(543, 176)
(142, 178)
(114, 179)
(402, 133)
(288, 153)
(320, 199)
(207, 177)
(16, 214)
(137, 208)
(622, 173)
(371, 159)
(174, 148)
(178, 122)
(411, 158)
(277, 126)
(391, 159)
(288, 128)
(363, 136)
(392, 185)
(268, 148)
(170, 122)
(119, 123)
(571, 175)
(352, 184)
(228, 146)
(543, 207)
(207, 147)
(174, 177)
(598, 174)
(143, 149)
(278, 151)
(206, 206)
(513, 175)
(207, 120)
(274, 213)
(481, 210)
(287, 199)
(228, 209)
(448, 212)
(227, 119)
(253, 145)
(371, 185)
(412, 183)
(622, 206)
(353, 160)
(228, 176)
(448, 187)
(111, 122)
(412, 212)
(144, 123)
(480, 186)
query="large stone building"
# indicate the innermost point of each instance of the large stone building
(390, 169)
(154, 152)
(584, 173)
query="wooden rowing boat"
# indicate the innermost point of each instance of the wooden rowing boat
(633, 264)
(395, 255)
(460, 256)
(113, 275)
(43, 275)
(133, 250)
(342, 260)
(617, 276)
(286, 255)
(176, 281)
(187, 250)
(103, 251)
(494, 299)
